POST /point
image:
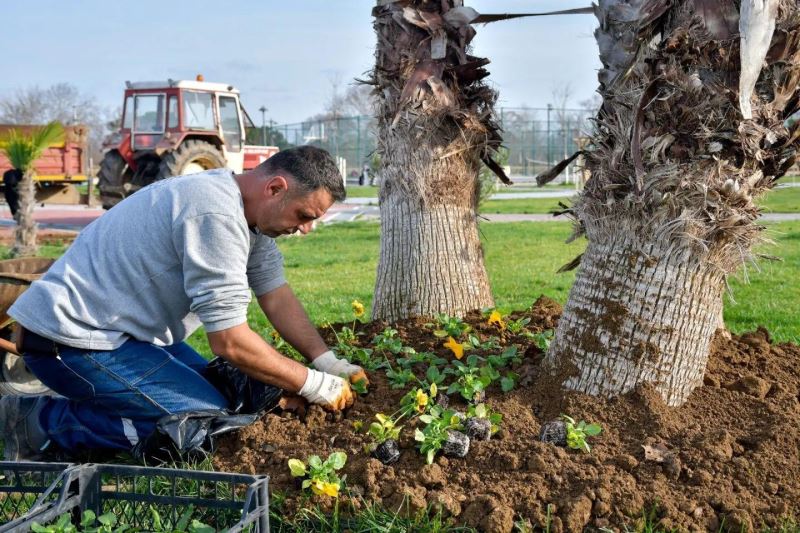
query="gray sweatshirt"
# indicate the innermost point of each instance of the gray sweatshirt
(173, 256)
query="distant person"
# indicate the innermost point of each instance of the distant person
(11, 179)
(364, 177)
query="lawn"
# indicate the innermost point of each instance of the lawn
(785, 200)
(336, 264)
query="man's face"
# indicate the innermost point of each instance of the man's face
(284, 211)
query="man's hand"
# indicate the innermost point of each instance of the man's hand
(331, 392)
(328, 362)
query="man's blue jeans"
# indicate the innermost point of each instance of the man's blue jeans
(114, 398)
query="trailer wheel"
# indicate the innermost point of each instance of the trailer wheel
(189, 158)
(113, 177)
(16, 379)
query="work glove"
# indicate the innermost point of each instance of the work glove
(328, 362)
(331, 392)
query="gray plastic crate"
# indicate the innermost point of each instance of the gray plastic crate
(29, 489)
(231, 502)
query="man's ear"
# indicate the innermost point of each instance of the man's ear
(275, 186)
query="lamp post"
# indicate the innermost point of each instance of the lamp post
(263, 124)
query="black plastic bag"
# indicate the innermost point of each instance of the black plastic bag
(192, 435)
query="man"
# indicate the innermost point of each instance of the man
(11, 179)
(105, 326)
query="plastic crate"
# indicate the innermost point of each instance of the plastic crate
(231, 502)
(30, 489)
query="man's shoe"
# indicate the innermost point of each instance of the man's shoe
(23, 435)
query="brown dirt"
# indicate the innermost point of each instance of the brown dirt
(730, 453)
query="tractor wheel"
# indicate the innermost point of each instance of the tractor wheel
(191, 157)
(16, 379)
(113, 177)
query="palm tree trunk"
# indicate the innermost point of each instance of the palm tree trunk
(436, 126)
(431, 261)
(677, 160)
(25, 231)
(635, 317)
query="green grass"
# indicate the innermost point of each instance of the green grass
(786, 200)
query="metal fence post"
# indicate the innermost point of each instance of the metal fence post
(549, 156)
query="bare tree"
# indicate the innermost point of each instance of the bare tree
(62, 103)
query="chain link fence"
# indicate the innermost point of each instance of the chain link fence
(535, 138)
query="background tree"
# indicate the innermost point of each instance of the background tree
(435, 125)
(62, 103)
(691, 131)
(22, 152)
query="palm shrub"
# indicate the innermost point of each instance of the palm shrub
(22, 151)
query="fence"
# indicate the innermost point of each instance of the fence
(536, 138)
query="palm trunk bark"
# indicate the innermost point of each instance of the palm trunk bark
(635, 317)
(25, 231)
(431, 261)
(677, 160)
(436, 126)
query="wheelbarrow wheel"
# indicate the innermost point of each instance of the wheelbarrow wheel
(16, 379)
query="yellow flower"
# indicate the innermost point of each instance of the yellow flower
(358, 308)
(497, 318)
(422, 400)
(317, 486)
(456, 347)
(330, 489)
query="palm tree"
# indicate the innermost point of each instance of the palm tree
(436, 128)
(691, 131)
(22, 151)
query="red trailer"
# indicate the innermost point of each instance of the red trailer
(60, 169)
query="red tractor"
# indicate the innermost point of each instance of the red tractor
(173, 128)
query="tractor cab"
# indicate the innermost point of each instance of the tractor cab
(173, 128)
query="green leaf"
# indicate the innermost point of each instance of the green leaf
(429, 456)
(426, 419)
(183, 521)
(337, 460)
(107, 519)
(37, 528)
(297, 468)
(306, 483)
(507, 384)
(63, 521)
(315, 462)
(419, 436)
(593, 430)
(199, 527)
(439, 333)
(88, 518)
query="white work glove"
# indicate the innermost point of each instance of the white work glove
(328, 362)
(331, 392)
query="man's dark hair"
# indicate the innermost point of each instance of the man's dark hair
(311, 168)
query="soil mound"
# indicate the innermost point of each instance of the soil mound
(727, 460)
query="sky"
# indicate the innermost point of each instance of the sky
(285, 55)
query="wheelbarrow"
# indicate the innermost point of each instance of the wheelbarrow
(16, 275)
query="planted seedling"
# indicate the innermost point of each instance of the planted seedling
(450, 326)
(359, 387)
(578, 432)
(509, 356)
(320, 476)
(518, 326)
(481, 422)
(440, 433)
(471, 379)
(387, 341)
(399, 378)
(509, 381)
(384, 434)
(542, 340)
(415, 402)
